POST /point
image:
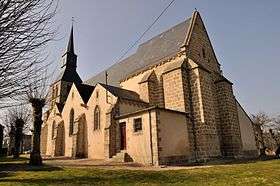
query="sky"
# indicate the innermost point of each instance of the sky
(245, 36)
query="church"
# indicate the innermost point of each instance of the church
(167, 103)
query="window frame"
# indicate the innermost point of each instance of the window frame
(135, 127)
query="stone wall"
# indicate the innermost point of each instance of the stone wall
(205, 129)
(44, 137)
(249, 147)
(148, 89)
(174, 97)
(173, 139)
(200, 43)
(230, 131)
(59, 140)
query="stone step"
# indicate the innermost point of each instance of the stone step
(121, 156)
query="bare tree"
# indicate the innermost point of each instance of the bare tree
(17, 121)
(37, 94)
(276, 122)
(25, 30)
(261, 120)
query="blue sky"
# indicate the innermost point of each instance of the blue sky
(245, 36)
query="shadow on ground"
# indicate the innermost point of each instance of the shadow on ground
(9, 166)
(99, 177)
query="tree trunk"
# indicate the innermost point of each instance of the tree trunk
(35, 156)
(12, 141)
(1, 138)
(18, 137)
(262, 150)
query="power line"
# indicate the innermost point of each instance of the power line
(147, 29)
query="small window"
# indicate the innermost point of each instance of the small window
(137, 125)
(73, 95)
(97, 94)
(203, 53)
(71, 122)
(53, 130)
(96, 124)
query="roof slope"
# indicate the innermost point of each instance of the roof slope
(147, 54)
(60, 106)
(69, 75)
(122, 93)
(85, 91)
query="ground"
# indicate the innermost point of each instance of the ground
(85, 172)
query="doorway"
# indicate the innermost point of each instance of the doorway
(123, 135)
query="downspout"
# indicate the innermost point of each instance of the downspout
(151, 141)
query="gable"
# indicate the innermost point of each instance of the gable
(74, 98)
(148, 54)
(200, 47)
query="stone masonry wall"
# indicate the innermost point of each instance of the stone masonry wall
(144, 91)
(199, 41)
(206, 131)
(173, 90)
(230, 132)
(44, 137)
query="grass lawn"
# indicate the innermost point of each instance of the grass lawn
(14, 172)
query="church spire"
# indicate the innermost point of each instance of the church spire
(69, 58)
(70, 47)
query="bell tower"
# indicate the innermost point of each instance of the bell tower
(68, 74)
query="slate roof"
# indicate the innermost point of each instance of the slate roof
(85, 91)
(122, 93)
(149, 53)
(69, 76)
(59, 107)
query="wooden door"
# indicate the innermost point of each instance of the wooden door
(123, 135)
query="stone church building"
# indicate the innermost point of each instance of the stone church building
(166, 103)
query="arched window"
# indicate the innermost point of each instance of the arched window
(71, 122)
(96, 118)
(53, 130)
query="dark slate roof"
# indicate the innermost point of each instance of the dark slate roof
(70, 46)
(59, 107)
(149, 53)
(69, 75)
(122, 93)
(85, 91)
